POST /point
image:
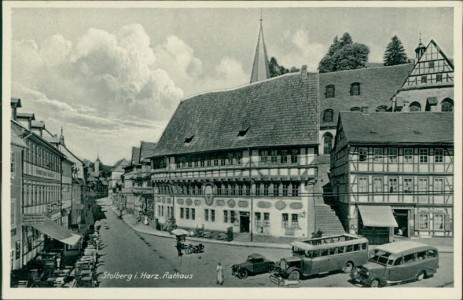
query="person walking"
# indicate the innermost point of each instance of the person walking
(179, 248)
(219, 274)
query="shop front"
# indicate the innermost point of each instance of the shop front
(376, 223)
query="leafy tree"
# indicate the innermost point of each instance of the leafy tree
(277, 70)
(344, 54)
(395, 53)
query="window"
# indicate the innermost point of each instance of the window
(439, 185)
(257, 187)
(263, 156)
(193, 213)
(225, 216)
(408, 155)
(273, 154)
(393, 155)
(12, 163)
(439, 155)
(327, 143)
(284, 220)
(294, 155)
(283, 156)
(257, 216)
(240, 189)
(276, 191)
(13, 213)
(423, 221)
(415, 106)
(232, 216)
(187, 213)
(392, 185)
(219, 189)
(182, 212)
(266, 219)
(363, 184)
(408, 185)
(329, 93)
(378, 155)
(206, 215)
(248, 189)
(439, 77)
(295, 189)
(363, 152)
(328, 115)
(285, 189)
(232, 189)
(378, 184)
(355, 89)
(431, 64)
(423, 155)
(424, 79)
(212, 215)
(439, 221)
(447, 105)
(266, 186)
(294, 221)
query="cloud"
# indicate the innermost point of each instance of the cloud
(296, 49)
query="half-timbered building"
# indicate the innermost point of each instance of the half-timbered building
(392, 171)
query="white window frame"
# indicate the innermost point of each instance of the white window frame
(393, 154)
(408, 155)
(362, 184)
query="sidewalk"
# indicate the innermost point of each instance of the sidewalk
(444, 245)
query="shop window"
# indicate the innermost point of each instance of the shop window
(447, 105)
(284, 220)
(355, 89)
(330, 91)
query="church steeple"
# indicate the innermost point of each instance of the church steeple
(260, 68)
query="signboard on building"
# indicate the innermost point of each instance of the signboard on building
(33, 219)
(43, 173)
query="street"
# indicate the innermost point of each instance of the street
(132, 259)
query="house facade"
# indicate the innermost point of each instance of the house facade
(398, 176)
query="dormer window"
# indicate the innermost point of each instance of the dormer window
(355, 89)
(329, 93)
(328, 115)
(243, 132)
(355, 108)
(244, 128)
(188, 139)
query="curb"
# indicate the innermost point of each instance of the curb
(239, 244)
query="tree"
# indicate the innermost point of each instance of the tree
(344, 54)
(277, 70)
(395, 53)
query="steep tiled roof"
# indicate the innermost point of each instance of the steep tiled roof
(377, 86)
(135, 156)
(15, 139)
(278, 111)
(146, 149)
(119, 165)
(398, 128)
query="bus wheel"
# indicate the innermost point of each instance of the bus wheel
(294, 275)
(348, 267)
(421, 276)
(375, 283)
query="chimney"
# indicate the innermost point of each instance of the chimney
(304, 71)
(15, 104)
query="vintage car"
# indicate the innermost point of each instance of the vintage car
(254, 264)
(396, 263)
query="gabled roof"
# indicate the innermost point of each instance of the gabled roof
(135, 156)
(119, 165)
(398, 128)
(377, 86)
(25, 116)
(280, 111)
(431, 63)
(146, 150)
(15, 139)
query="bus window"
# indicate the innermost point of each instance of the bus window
(432, 253)
(356, 247)
(364, 246)
(315, 253)
(389, 262)
(409, 258)
(341, 250)
(308, 254)
(324, 252)
(333, 251)
(422, 255)
(399, 261)
(349, 248)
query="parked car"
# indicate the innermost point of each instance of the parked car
(254, 264)
(397, 262)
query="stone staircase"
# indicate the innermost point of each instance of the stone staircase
(327, 220)
(242, 237)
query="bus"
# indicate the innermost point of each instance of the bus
(322, 255)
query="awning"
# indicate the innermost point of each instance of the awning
(377, 216)
(58, 232)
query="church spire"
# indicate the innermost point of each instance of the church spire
(260, 68)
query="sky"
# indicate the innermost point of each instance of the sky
(112, 77)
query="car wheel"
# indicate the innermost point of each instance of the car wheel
(348, 267)
(375, 283)
(421, 275)
(242, 274)
(271, 268)
(294, 275)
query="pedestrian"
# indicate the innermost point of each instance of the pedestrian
(219, 274)
(179, 248)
